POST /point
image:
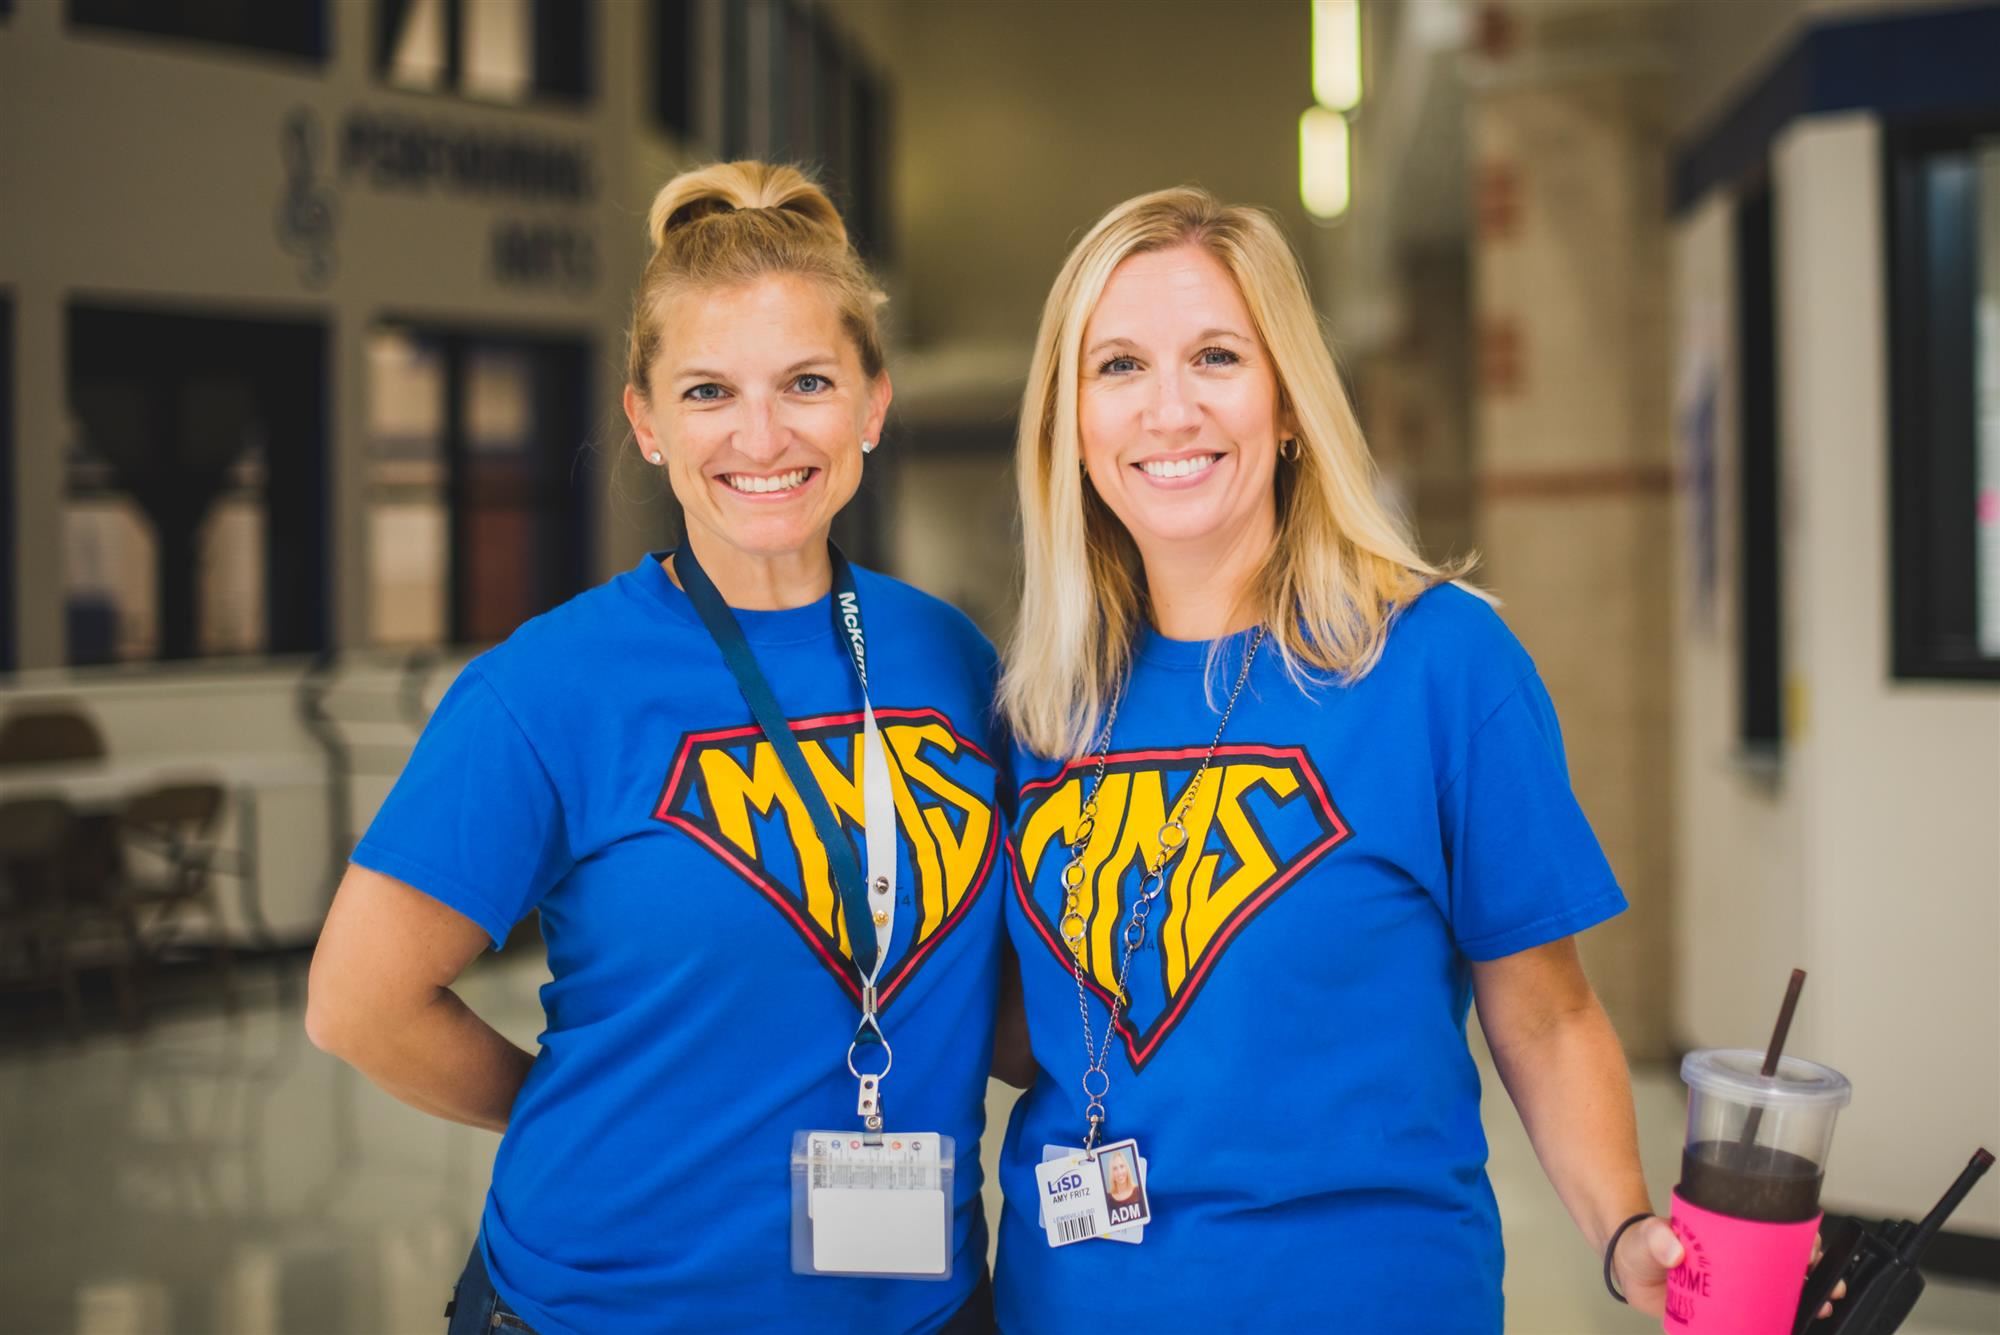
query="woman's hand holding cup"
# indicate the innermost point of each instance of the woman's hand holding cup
(1649, 1251)
(1646, 1254)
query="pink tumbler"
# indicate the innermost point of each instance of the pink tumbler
(1747, 1207)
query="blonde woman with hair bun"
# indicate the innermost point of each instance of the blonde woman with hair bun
(1289, 801)
(752, 792)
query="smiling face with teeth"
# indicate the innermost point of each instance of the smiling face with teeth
(1177, 412)
(759, 405)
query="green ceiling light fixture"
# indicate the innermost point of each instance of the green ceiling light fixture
(1325, 165)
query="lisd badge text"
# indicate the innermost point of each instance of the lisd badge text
(1063, 1187)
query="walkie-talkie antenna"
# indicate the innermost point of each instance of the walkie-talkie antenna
(1920, 1237)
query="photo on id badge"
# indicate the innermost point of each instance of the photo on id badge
(1124, 1186)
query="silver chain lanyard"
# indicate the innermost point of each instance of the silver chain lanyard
(1172, 839)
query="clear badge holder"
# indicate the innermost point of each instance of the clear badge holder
(872, 1204)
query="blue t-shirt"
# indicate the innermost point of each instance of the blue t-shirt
(601, 766)
(1293, 1058)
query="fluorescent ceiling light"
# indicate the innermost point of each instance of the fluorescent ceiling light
(1336, 44)
(1325, 182)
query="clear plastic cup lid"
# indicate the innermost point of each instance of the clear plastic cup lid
(1737, 1073)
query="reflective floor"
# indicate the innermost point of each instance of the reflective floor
(220, 1175)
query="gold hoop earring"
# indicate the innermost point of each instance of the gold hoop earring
(1289, 448)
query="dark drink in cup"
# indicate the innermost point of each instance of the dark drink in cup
(1750, 1181)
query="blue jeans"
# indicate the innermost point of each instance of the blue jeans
(475, 1309)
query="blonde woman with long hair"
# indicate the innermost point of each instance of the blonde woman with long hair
(1290, 801)
(725, 915)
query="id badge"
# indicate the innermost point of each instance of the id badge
(1072, 1197)
(875, 1204)
(1126, 1212)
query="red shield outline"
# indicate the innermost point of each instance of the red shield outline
(680, 779)
(1140, 1047)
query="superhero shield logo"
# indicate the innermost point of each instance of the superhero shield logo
(1259, 820)
(729, 790)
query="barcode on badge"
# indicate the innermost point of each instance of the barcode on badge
(1074, 1228)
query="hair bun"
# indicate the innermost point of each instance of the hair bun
(739, 222)
(722, 188)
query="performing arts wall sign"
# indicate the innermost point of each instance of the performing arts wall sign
(393, 153)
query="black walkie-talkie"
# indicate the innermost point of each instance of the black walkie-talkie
(1879, 1263)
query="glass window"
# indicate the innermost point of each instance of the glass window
(504, 510)
(498, 50)
(231, 561)
(110, 612)
(414, 44)
(281, 27)
(408, 532)
(475, 519)
(1945, 401)
(194, 518)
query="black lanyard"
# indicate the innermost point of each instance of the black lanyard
(842, 863)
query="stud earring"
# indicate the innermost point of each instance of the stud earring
(868, 447)
(653, 457)
(1288, 448)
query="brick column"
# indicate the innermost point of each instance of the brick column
(1572, 463)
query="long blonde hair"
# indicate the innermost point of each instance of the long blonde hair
(731, 222)
(1341, 564)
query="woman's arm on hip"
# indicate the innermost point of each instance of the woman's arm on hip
(379, 997)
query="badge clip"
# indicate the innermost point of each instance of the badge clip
(869, 1106)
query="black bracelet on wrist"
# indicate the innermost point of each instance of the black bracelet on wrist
(1611, 1250)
